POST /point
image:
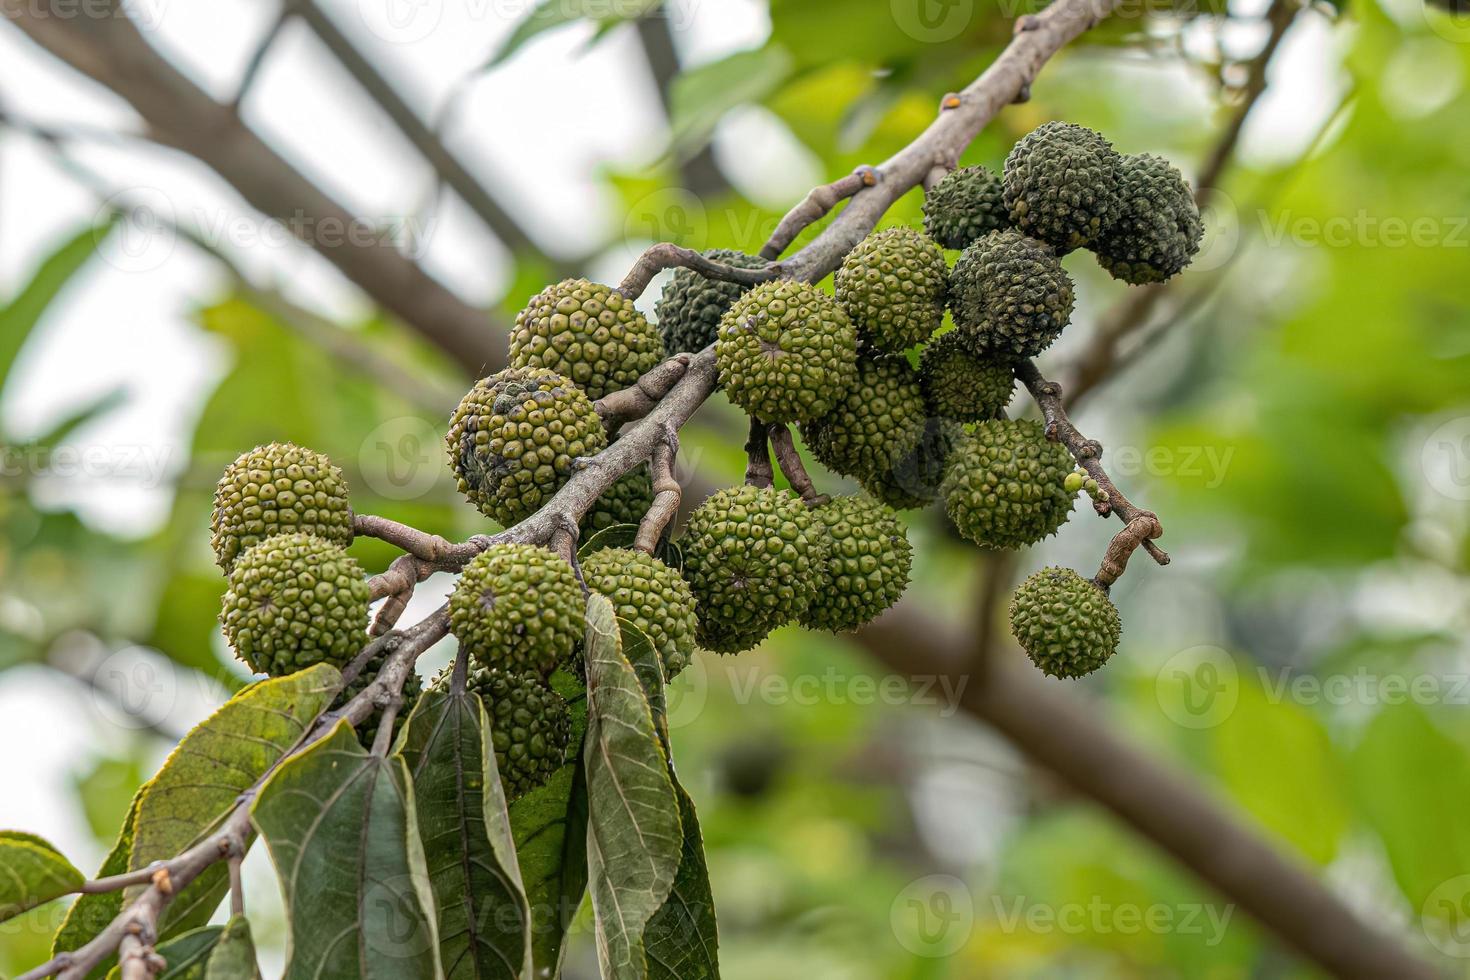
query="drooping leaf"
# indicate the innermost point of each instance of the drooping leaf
(484, 920)
(91, 913)
(551, 14)
(20, 315)
(681, 942)
(233, 957)
(32, 872)
(701, 96)
(342, 831)
(203, 778)
(187, 954)
(549, 827)
(634, 839)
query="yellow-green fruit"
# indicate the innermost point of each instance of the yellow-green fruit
(1061, 185)
(786, 352)
(625, 502)
(587, 332)
(882, 409)
(1066, 624)
(1005, 484)
(1010, 296)
(518, 607)
(278, 489)
(892, 286)
(690, 307)
(966, 205)
(294, 601)
(651, 596)
(961, 385)
(413, 687)
(867, 566)
(1158, 228)
(529, 726)
(750, 555)
(514, 438)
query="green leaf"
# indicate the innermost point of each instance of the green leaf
(20, 316)
(234, 955)
(681, 942)
(32, 873)
(613, 536)
(551, 14)
(701, 97)
(634, 838)
(341, 827)
(549, 826)
(187, 954)
(484, 919)
(92, 913)
(220, 759)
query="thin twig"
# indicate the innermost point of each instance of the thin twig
(784, 448)
(637, 400)
(667, 255)
(815, 206)
(666, 494)
(758, 469)
(257, 57)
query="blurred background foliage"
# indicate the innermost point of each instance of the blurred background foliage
(1297, 412)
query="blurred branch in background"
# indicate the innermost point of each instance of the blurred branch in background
(179, 114)
(698, 171)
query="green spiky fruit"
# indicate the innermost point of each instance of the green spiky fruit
(1061, 185)
(786, 352)
(518, 607)
(413, 687)
(1005, 484)
(966, 205)
(278, 489)
(914, 466)
(625, 502)
(892, 286)
(529, 725)
(867, 566)
(884, 406)
(514, 438)
(651, 596)
(962, 385)
(1066, 624)
(1158, 228)
(587, 332)
(690, 307)
(749, 558)
(1010, 295)
(295, 600)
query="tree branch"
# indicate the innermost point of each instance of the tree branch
(666, 494)
(784, 449)
(110, 50)
(666, 255)
(758, 469)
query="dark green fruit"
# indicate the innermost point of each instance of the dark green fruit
(1066, 624)
(961, 385)
(529, 726)
(690, 308)
(413, 686)
(1158, 229)
(294, 601)
(651, 596)
(966, 205)
(867, 566)
(1061, 185)
(1004, 487)
(278, 489)
(518, 607)
(513, 439)
(587, 332)
(915, 465)
(1010, 295)
(892, 286)
(786, 352)
(750, 557)
(882, 409)
(625, 502)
